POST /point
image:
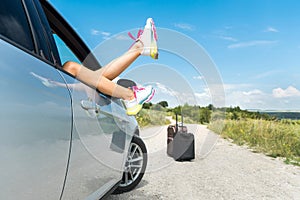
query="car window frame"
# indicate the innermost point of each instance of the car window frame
(17, 44)
(69, 36)
(73, 41)
(48, 33)
(39, 32)
(34, 38)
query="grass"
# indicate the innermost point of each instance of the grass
(274, 138)
(148, 117)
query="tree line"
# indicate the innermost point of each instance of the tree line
(205, 114)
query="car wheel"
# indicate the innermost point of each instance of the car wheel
(135, 166)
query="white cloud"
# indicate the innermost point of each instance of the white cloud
(288, 92)
(271, 29)
(253, 92)
(185, 26)
(267, 74)
(203, 98)
(164, 89)
(174, 97)
(104, 34)
(228, 87)
(202, 95)
(251, 99)
(243, 95)
(198, 77)
(252, 43)
(228, 38)
(123, 37)
(276, 99)
(247, 96)
(205, 93)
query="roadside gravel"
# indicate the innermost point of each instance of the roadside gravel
(221, 170)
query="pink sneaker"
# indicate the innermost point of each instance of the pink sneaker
(141, 96)
(148, 37)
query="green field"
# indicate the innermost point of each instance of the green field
(274, 138)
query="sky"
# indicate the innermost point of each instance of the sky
(253, 44)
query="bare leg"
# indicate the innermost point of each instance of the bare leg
(101, 79)
(96, 80)
(117, 66)
(108, 87)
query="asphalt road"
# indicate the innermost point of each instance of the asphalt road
(221, 170)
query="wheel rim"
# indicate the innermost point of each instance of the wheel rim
(133, 166)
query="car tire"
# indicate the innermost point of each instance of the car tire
(135, 166)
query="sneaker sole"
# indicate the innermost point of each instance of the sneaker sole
(153, 49)
(154, 53)
(137, 108)
(134, 110)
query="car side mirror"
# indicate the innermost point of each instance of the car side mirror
(126, 83)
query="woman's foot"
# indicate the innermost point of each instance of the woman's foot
(141, 96)
(148, 39)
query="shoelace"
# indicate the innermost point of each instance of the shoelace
(154, 31)
(136, 88)
(140, 32)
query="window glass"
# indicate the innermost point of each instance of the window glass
(14, 24)
(65, 53)
(39, 32)
(48, 31)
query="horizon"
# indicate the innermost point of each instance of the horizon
(249, 110)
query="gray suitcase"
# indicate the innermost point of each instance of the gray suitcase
(180, 143)
(184, 146)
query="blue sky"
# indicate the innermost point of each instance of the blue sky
(255, 44)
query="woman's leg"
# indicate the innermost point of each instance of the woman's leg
(117, 66)
(146, 44)
(95, 79)
(101, 79)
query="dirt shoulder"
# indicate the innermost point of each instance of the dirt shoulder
(221, 170)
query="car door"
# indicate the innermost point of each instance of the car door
(35, 114)
(102, 130)
(102, 134)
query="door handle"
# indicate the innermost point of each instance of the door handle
(89, 105)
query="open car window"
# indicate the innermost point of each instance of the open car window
(62, 28)
(64, 51)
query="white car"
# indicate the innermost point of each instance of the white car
(60, 139)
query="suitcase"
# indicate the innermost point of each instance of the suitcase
(170, 137)
(180, 143)
(182, 129)
(184, 146)
(172, 130)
